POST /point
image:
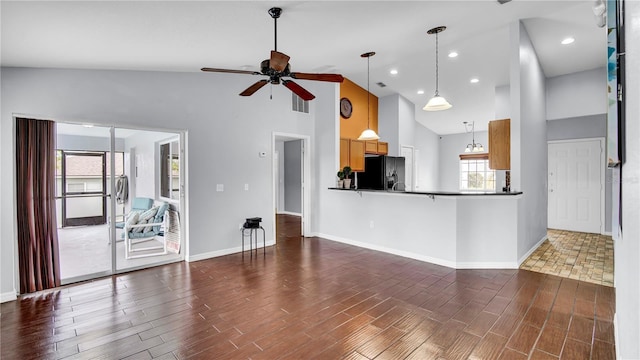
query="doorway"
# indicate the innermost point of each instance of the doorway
(291, 174)
(576, 185)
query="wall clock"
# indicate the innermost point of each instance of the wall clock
(345, 108)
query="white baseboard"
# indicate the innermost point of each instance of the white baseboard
(281, 212)
(606, 233)
(525, 256)
(223, 252)
(486, 265)
(8, 296)
(402, 253)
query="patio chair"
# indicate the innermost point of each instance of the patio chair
(138, 205)
(145, 226)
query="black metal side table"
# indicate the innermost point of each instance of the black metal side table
(250, 228)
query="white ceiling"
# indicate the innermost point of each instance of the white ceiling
(320, 36)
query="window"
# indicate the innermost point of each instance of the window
(475, 174)
(170, 170)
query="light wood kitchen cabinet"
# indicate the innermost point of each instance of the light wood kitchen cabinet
(383, 148)
(370, 147)
(500, 144)
(376, 147)
(352, 154)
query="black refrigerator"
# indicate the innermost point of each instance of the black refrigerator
(382, 173)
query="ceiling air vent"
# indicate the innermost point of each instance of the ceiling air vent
(381, 84)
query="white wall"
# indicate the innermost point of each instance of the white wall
(528, 139)
(87, 143)
(225, 133)
(627, 247)
(451, 146)
(406, 123)
(427, 157)
(578, 94)
(503, 102)
(397, 125)
(147, 160)
(454, 231)
(388, 122)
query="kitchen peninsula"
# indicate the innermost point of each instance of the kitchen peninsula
(457, 230)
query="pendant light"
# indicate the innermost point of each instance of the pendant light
(368, 134)
(437, 102)
(473, 147)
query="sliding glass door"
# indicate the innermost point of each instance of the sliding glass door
(96, 197)
(83, 201)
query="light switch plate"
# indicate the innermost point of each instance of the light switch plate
(219, 187)
(246, 187)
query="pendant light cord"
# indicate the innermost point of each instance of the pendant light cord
(436, 64)
(368, 94)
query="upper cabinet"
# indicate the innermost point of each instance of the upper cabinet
(376, 147)
(500, 144)
(352, 154)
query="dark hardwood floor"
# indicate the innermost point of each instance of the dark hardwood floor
(313, 299)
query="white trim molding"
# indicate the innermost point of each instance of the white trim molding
(282, 212)
(528, 253)
(8, 296)
(223, 252)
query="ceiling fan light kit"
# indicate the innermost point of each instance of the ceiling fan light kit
(437, 102)
(368, 134)
(278, 67)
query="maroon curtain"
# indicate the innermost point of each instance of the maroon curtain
(39, 265)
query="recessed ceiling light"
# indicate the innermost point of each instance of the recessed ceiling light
(87, 125)
(474, 80)
(393, 72)
(420, 92)
(453, 54)
(567, 41)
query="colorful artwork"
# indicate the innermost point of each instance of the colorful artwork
(613, 156)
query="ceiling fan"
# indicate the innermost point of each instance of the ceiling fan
(277, 67)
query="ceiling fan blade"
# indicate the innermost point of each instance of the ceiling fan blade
(253, 88)
(298, 90)
(317, 77)
(278, 61)
(230, 71)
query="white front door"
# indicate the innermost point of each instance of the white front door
(575, 185)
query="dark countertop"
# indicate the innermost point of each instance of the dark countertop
(433, 193)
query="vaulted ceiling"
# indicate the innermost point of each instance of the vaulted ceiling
(320, 36)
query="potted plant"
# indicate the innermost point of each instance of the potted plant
(341, 179)
(347, 180)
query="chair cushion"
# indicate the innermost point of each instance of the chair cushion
(132, 219)
(147, 217)
(140, 235)
(159, 216)
(148, 214)
(141, 203)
